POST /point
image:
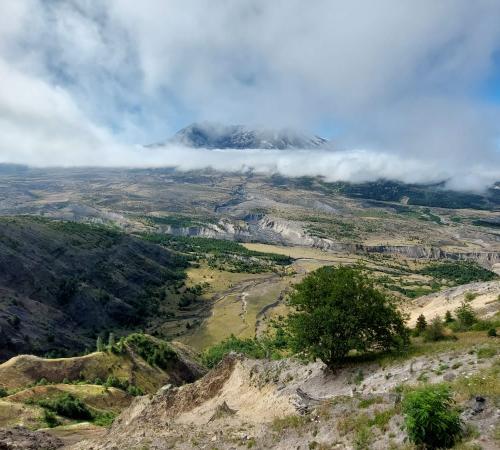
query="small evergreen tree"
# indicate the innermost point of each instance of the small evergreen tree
(99, 344)
(465, 315)
(111, 340)
(435, 330)
(421, 324)
(448, 318)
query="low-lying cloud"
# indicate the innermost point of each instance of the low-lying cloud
(411, 83)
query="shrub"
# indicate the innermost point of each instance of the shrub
(69, 406)
(448, 318)
(338, 309)
(486, 352)
(421, 324)
(469, 296)
(104, 419)
(3, 392)
(249, 347)
(134, 390)
(492, 332)
(466, 316)
(435, 331)
(430, 417)
(50, 419)
(100, 344)
(115, 382)
(155, 352)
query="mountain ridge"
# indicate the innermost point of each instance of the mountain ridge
(213, 136)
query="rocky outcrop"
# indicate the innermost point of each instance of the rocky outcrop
(293, 234)
(20, 438)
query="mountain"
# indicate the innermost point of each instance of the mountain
(62, 283)
(216, 136)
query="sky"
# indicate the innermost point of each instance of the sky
(408, 90)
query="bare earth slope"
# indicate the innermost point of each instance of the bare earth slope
(247, 400)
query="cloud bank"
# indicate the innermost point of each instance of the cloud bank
(414, 84)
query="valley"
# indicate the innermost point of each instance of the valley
(198, 259)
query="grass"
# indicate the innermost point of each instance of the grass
(367, 402)
(295, 422)
(486, 383)
(419, 347)
(486, 352)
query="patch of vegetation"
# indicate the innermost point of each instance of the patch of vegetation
(486, 352)
(367, 402)
(104, 419)
(430, 417)
(155, 352)
(465, 317)
(435, 331)
(292, 421)
(67, 405)
(434, 195)
(337, 310)
(485, 382)
(459, 272)
(222, 254)
(175, 221)
(249, 347)
(50, 418)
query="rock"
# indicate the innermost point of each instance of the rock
(479, 405)
(20, 438)
(164, 389)
(450, 376)
(222, 410)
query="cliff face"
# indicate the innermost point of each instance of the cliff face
(280, 231)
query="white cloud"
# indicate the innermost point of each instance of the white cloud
(81, 80)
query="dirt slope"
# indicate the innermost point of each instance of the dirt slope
(253, 403)
(485, 301)
(24, 370)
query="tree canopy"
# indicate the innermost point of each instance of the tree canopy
(338, 309)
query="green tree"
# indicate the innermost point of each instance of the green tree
(111, 340)
(465, 315)
(99, 344)
(421, 324)
(448, 318)
(435, 330)
(336, 310)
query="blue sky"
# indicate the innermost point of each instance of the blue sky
(83, 79)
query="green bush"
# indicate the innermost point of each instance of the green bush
(50, 419)
(492, 332)
(134, 390)
(249, 347)
(104, 419)
(435, 331)
(3, 392)
(155, 352)
(421, 324)
(430, 417)
(466, 317)
(69, 406)
(338, 309)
